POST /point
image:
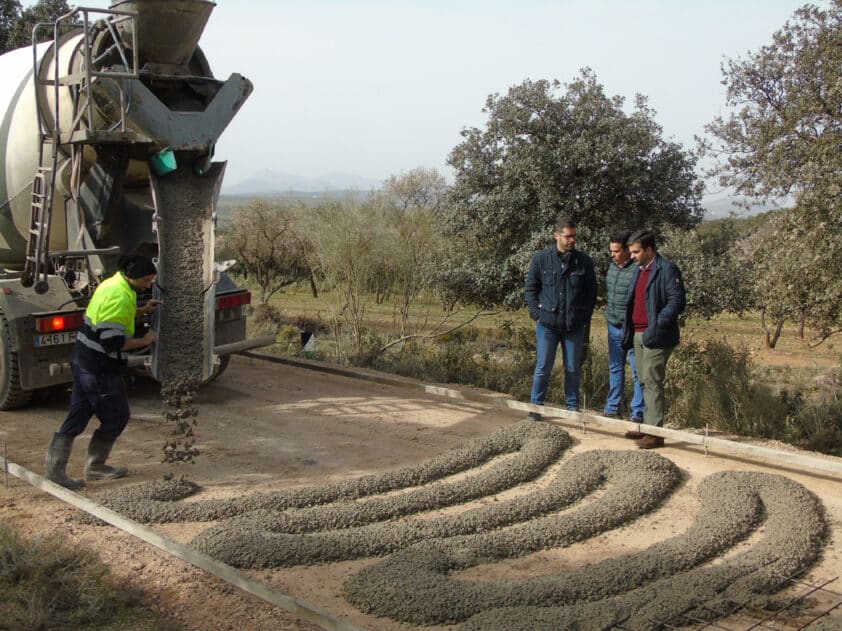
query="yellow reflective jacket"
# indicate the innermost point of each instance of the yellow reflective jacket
(109, 322)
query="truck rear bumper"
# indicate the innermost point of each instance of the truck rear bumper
(139, 361)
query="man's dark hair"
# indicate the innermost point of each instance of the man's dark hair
(621, 237)
(646, 239)
(563, 222)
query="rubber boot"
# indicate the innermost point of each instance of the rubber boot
(98, 451)
(57, 456)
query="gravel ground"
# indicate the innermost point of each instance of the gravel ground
(592, 492)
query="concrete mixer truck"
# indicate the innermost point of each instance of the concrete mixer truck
(107, 135)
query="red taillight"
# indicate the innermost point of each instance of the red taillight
(233, 300)
(56, 323)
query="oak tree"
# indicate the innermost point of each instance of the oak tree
(784, 139)
(547, 150)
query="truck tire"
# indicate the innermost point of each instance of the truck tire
(12, 396)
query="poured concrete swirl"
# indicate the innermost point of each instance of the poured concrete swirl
(657, 584)
(591, 493)
(535, 446)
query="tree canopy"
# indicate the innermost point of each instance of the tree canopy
(548, 151)
(16, 23)
(417, 189)
(716, 281)
(785, 139)
(785, 135)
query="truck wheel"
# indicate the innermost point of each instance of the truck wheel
(12, 396)
(219, 368)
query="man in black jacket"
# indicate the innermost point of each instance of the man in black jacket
(560, 294)
(656, 299)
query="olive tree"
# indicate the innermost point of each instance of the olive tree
(549, 149)
(413, 248)
(416, 189)
(383, 251)
(270, 246)
(347, 258)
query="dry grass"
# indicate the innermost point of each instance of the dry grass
(45, 584)
(791, 363)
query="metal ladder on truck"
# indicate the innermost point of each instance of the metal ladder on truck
(54, 141)
(35, 269)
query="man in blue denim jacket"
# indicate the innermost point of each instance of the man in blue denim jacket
(560, 294)
(656, 299)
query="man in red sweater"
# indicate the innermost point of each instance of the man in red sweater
(656, 299)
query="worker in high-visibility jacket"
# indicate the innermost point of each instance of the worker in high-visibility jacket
(99, 367)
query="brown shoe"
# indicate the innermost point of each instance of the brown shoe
(634, 435)
(650, 442)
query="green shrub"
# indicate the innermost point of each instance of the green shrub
(712, 383)
(467, 356)
(370, 343)
(815, 422)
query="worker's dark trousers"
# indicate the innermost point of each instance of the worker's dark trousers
(103, 394)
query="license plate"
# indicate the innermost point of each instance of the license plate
(54, 339)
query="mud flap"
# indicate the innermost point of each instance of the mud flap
(185, 210)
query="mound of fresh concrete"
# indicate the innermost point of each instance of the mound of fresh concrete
(590, 493)
(263, 539)
(637, 591)
(533, 447)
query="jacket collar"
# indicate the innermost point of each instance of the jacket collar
(653, 264)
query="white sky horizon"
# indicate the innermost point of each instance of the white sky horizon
(375, 87)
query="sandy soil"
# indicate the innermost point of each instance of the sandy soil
(264, 427)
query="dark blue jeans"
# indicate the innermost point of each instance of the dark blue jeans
(571, 347)
(103, 394)
(617, 375)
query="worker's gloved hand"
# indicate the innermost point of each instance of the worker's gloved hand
(149, 307)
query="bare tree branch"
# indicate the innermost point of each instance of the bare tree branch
(430, 336)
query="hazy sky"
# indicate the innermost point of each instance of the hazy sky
(377, 87)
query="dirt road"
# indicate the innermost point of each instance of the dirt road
(264, 428)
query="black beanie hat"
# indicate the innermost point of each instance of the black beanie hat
(136, 266)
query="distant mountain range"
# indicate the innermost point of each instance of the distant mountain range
(269, 182)
(720, 207)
